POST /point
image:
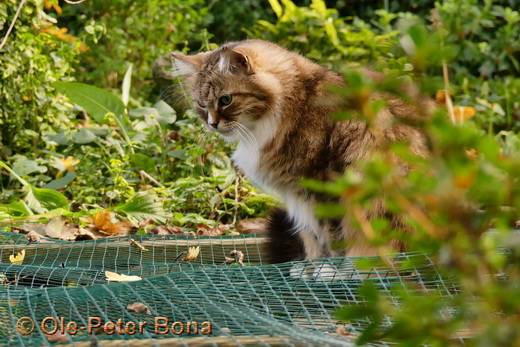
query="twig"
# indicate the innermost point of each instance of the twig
(12, 24)
(157, 183)
(236, 199)
(70, 2)
(449, 103)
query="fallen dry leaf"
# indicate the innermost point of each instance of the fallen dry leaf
(87, 234)
(33, 236)
(138, 307)
(28, 227)
(103, 222)
(146, 223)
(57, 337)
(115, 277)
(252, 226)
(17, 258)
(206, 230)
(193, 253)
(165, 230)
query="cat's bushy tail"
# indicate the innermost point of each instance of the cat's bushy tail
(283, 243)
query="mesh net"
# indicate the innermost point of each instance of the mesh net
(207, 301)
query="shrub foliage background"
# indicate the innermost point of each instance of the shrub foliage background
(146, 153)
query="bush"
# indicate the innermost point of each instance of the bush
(35, 55)
(322, 35)
(121, 32)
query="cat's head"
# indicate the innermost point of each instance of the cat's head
(230, 86)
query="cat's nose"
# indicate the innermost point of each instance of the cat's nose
(214, 125)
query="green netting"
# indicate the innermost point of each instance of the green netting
(255, 304)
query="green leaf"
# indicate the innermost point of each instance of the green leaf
(83, 136)
(60, 182)
(142, 206)
(24, 167)
(329, 210)
(96, 101)
(18, 209)
(44, 200)
(277, 8)
(167, 114)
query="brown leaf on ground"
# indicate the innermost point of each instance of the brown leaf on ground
(38, 228)
(89, 233)
(33, 236)
(138, 307)
(103, 221)
(54, 227)
(206, 230)
(69, 232)
(166, 230)
(146, 223)
(252, 226)
(57, 337)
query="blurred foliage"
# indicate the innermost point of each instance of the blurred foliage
(118, 32)
(225, 19)
(322, 35)
(34, 56)
(449, 201)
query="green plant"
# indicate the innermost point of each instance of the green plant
(321, 34)
(120, 32)
(32, 58)
(449, 201)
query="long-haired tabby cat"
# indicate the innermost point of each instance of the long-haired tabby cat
(266, 98)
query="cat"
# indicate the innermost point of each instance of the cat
(267, 99)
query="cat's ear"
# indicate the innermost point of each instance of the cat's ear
(187, 64)
(233, 61)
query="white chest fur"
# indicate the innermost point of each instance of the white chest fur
(247, 156)
(249, 150)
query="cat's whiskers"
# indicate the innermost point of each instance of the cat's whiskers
(249, 140)
(167, 90)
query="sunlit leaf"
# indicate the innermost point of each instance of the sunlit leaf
(43, 200)
(97, 102)
(143, 206)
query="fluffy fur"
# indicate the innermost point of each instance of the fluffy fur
(267, 99)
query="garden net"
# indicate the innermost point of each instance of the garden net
(206, 301)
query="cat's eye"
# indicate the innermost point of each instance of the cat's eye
(201, 105)
(225, 100)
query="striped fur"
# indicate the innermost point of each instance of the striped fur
(284, 134)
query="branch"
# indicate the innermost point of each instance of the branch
(12, 24)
